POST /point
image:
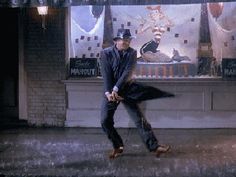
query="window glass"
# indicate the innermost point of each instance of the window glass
(172, 41)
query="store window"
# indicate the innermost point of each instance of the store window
(172, 41)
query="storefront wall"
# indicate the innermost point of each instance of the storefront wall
(53, 100)
(197, 104)
(42, 67)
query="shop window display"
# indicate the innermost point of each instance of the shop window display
(172, 41)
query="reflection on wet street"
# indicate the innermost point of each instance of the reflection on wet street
(84, 152)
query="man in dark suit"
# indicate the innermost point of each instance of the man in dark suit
(117, 64)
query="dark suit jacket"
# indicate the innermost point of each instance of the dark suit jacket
(115, 69)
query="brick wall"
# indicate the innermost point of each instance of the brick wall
(45, 67)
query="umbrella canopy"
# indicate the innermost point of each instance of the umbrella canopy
(138, 92)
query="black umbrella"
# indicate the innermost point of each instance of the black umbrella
(137, 92)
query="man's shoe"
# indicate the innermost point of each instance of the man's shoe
(161, 150)
(116, 152)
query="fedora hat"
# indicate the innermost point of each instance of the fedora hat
(123, 34)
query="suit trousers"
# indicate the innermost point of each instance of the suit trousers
(136, 114)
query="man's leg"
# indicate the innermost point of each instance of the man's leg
(144, 128)
(107, 123)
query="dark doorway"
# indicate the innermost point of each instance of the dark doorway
(9, 65)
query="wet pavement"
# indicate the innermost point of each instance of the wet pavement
(84, 152)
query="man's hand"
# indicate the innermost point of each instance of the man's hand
(110, 97)
(116, 96)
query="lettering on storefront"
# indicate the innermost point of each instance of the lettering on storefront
(83, 67)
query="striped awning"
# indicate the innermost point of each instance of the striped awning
(66, 3)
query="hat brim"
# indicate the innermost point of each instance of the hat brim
(130, 37)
